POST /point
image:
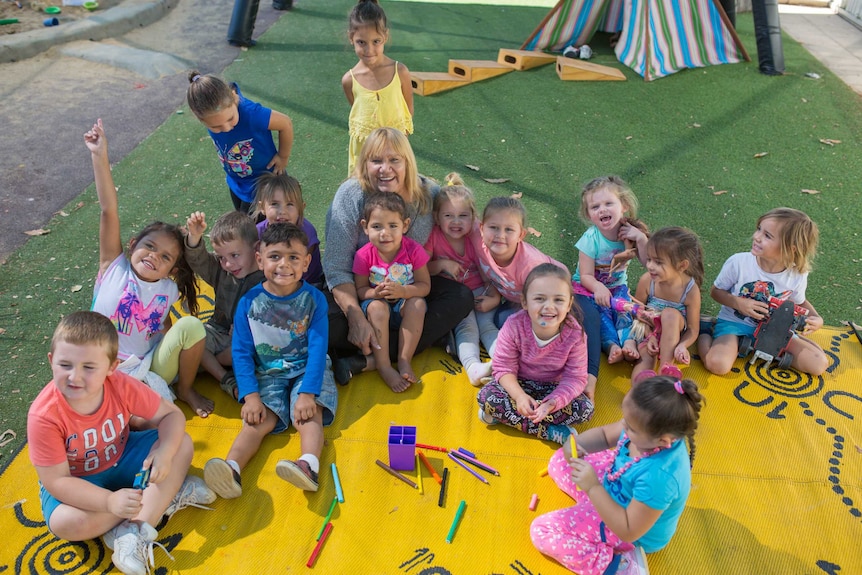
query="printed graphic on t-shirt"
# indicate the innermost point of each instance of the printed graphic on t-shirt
(98, 447)
(760, 291)
(131, 312)
(238, 157)
(280, 333)
(399, 273)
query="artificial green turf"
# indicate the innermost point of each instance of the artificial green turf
(679, 141)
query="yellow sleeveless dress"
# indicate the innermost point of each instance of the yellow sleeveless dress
(374, 109)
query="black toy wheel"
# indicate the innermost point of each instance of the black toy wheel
(785, 360)
(745, 345)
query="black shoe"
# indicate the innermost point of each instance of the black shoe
(242, 44)
(344, 368)
(282, 4)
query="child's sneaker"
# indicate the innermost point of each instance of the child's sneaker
(297, 473)
(344, 368)
(571, 52)
(193, 493)
(133, 547)
(485, 418)
(222, 478)
(633, 562)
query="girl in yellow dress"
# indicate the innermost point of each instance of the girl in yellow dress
(377, 87)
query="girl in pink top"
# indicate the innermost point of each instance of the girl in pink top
(453, 254)
(540, 364)
(505, 260)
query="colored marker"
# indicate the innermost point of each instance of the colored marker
(543, 472)
(534, 500)
(429, 467)
(432, 447)
(574, 452)
(338, 492)
(458, 515)
(319, 546)
(443, 487)
(464, 465)
(396, 474)
(475, 463)
(419, 476)
(328, 517)
(465, 452)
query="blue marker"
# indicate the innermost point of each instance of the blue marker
(338, 492)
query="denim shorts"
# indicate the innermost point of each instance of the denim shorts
(120, 475)
(279, 393)
(394, 311)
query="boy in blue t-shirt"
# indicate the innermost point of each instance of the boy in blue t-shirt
(283, 374)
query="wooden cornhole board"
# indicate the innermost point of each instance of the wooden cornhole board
(524, 59)
(570, 69)
(477, 70)
(426, 83)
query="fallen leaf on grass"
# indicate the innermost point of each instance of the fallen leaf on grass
(2, 330)
(629, 137)
(719, 192)
(474, 168)
(76, 288)
(695, 125)
(829, 141)
(39, 232)
(761, 154)
(517, 195)
(535, 232)
(812, 192)
(496, 180)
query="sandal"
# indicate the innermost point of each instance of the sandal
(228, 384)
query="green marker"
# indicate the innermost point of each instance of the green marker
(456, 521)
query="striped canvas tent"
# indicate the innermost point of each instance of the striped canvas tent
(657, 37)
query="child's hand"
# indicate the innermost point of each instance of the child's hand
(95, 139)
(752, 308)
(629, 232)
(543, 410)
(196, 225)
(526, 405)
(451, 268)
(681, 355)
(253, 411)
(812, 324)
(602, 296)
(304, 409)
(392, 291)
(277, 164)
(125, 503)
(158, 463)
(583, 474)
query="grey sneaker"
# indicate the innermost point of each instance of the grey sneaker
(297, 473)
(193, 493)
(222, 478)
(485, 418)
(133, 547)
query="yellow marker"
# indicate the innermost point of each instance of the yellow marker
(419, 475)
(574, 452)
(543, 472)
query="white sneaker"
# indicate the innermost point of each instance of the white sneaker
(634, 562)
(133, 547)
(193, 493)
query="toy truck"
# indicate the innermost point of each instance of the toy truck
(773, 333)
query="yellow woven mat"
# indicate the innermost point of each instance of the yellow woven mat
(776, 486)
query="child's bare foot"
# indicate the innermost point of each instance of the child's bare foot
(615, 354)
(406, 371)
(630, 350)
(392, 378)
(201, 405)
